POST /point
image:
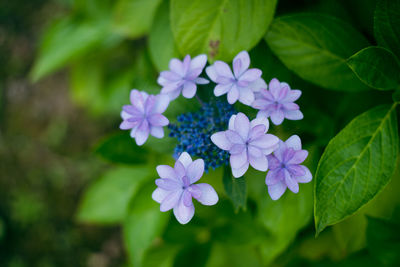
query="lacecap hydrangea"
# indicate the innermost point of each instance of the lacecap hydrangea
(218, 134)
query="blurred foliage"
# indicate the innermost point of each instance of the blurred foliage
(56, 196)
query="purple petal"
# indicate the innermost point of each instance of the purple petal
(172, 86)
(307, 177)
(212, 73)
(168, 184)
(179, 170)
(274, 177)
(200, 80)
(255, 152)
(257, 131)
(291, 183)
(220, 140)
(186, 64)
(161, 103)
(208, 195)
(158, 120)
(283, 93)
(260, 103)
(259, 163)
(183, 213)
(294, 115)
(198, 62)
(275, 88)
(292, 96)
(233, 137)
(176, 66)
(231, 125)
(174, 94)
(167, 172)
(189, 89)
(223, 69)
(257, 85)
(133, 132)
(233, 95)
(187, 198)
(125, 115)
(246, 96)
(137, 100)
(237, 149)
(277, 117)
(242, 125)
(157, 131)
(241, 63)
(267, 95)
(126, 125)
(238, 160)
(193, 74)
(290, 106)
(159, 194)
(260, 120)
(142, 133)
(239, 172)
(277, 190)
(171, 200)
(194, 191)
(195, 170)
(265, 141)
(170, 76)
(221, 89)
(298, 157)
(279, 152)
(250, 75)
(273, 162)
(295, 170)
(185, 159)
(294, 142)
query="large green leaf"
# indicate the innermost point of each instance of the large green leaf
(161, 41)
(66, 40)
(133, 18)
(121, 148)
(377, 67)
(356, 165)
(235, 188)
(143, 223)
(387, 25)
(106, 200)
(316, 47)
(219, 28)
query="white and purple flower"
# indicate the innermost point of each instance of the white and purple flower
(285, 169)
(277, 102)
(176, 188)
(183, 76)
(247, 142)
(239, 85)
(144, 116)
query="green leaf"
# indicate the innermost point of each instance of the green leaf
(133, 18)
(65, 41)
(376, 67)
(121, 148)
(356, 165)
(387, 25)
(106, 200)
(316, 47)
(161, 41)
(235, 188)
(143, 223)
(219, 28)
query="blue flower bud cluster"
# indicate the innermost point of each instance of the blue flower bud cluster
(193, 131)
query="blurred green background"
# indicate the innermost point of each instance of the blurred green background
(75, 191)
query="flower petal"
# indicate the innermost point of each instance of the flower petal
(201, 80)
(275, 87)
(168, 184)
(259, 163)
(158, 120)
(232, 122)
(246, 95)
(233, 137)
(233, 95)
(171, 200)
(294, 115)
(212, 73)
(274, 177)
(242, 125)
(195, 170)
(294, 142)
(239, 172)
(307, 177)
(265, 141)
(137, 100)
(237, 149)
(220, 140)
(161, 103)
(159, 195)
(277, 117)
(250, 75)
(223, 69)
(189, 89)
(221, 89)
(298, 157)
(157, 131)
(238, 160)
(292, 96)
(260, 120)
(198, 62)
(167, 172)
(258, 85)
(260, 103)
(183, 213)
(273, 162)
(126, 125)
(187, 198)
(291, 183)
(208, 195)
(185, 159)
(257, 131)
(142, 133)
(277, 190)
(241, 63)
(176, 66)
(180, 170)
(170, 76)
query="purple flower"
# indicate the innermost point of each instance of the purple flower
(144, 116)
(176, 188)
(277, 102)
(239, 85)
(247, 142)
(285, 170)
(183, 77)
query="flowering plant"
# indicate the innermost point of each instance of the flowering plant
(246, 142)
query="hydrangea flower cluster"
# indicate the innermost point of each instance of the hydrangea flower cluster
(216, 134)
